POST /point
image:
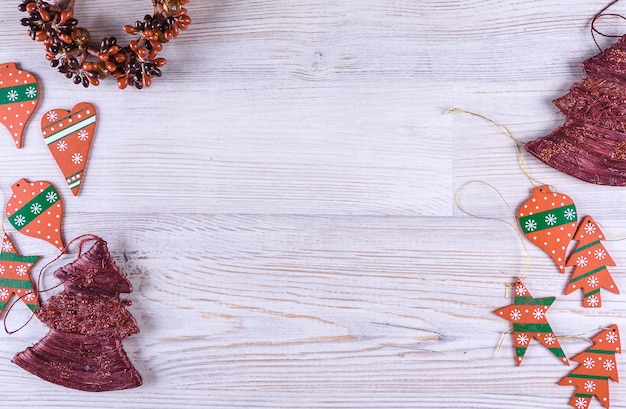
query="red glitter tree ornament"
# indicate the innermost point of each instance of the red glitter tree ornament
(591, 144)
(88, 321)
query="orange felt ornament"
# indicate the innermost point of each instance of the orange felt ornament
(548, 219)
(68, 135)
(19, 95)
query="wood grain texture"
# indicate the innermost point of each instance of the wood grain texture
(283, 201)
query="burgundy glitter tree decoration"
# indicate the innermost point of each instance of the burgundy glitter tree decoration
(591, 144)
(88, 321)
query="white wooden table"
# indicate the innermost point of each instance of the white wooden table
(283, 202)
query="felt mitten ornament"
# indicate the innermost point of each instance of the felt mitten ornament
(527, 315)
(19, 95)
(548, 219)
(597, 366)
(590, 259)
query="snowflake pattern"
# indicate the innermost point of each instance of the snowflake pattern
(590, 386)
(549, 339)
(31, 92)
(581, 403)
(520, 290)
(539, 313)
(77, 158)
(531, 225)
(570, 214)
(590, 228)
(522, 339)
(30, 296)
(608, 365)
(1, 270)
(51, 116)
(593, 301)
(7, 246)
(19, 220)
(611, 337)
(550, 219)
(21, 270)
(581, 261)
(599, 254)
(589, 363)
(51, 197)
(62, 146)
(36, 208)
(12, 95)
(516, 315)
(83, 135)
(593, 281)
(4, 293)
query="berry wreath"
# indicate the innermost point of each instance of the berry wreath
(68, 45)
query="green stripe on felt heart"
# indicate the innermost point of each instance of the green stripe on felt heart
(64, 132)
(31, 210)
(18, 93)
(548, 219)
(532, 328)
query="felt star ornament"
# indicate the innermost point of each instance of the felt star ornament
(14, 275)
(528, 316)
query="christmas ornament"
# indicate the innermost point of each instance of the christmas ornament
(528, 316)
(597, 366)
(68, 136)
(88, 321)
(590, 259)
(68, 46)
(36, 210)
(14, 275)
(548, 219)
(19, 95)
(591, 144)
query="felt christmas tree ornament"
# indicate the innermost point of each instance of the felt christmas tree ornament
(19, 95)
(548, 219)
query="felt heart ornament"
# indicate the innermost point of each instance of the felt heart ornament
(19, 95)
(35, 209)
(548, 219)
(68, 135)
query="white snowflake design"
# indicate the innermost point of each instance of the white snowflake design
(83, 135)
(590, 386)
(590, 228)
(539, 313)
(62, 146)
(599, 254)
(1, 269)
(21, 270)
(611, 337)
(36, 208)
(77, 158)
(550, 219)
(4, 293)
(51, 197)
(31, 92)
(516, 315)
(608, 365)
(19, 220)
(522, 339)
(593, 301)
(549, 339)
(581, 403)
(593, 281)
(531, 225)
(589, 363)
(570, 214)
(51, 116)
(30, 296)
(520, 290)
(12, 95)
(6, 245)
(581, 261)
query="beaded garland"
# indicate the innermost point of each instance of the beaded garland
(68, 46)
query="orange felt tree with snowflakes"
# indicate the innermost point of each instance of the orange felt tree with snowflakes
(590, 260)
